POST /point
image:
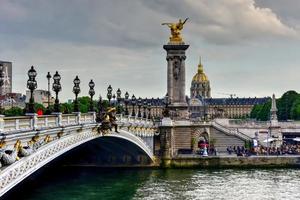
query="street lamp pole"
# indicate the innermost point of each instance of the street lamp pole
(76, 91)
(49, 77)
(118, 101)
(109, 94)
(56, 86)
(31, 85)
(126, 103)
(133, 103)
(91, 93)
(139, 107)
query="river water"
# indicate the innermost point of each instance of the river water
(101, 184)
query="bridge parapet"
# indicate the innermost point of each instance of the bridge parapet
(33, 122)
(238, 123)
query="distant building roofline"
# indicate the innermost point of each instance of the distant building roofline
(2, 61)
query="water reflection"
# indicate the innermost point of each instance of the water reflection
(98, 183)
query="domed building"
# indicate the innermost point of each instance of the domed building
(200, 85)
(202, 105)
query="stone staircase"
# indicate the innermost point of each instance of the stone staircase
(227, 137)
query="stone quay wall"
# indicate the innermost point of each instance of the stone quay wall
(232, 162)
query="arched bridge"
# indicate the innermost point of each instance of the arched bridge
(28, 143)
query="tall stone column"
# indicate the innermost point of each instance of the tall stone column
(275, 129)
(176, 79)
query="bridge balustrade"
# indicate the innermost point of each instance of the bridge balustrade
(34, 122)
(21, 123)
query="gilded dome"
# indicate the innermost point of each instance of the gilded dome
(200, 76)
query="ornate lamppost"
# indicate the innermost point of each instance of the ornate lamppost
(76, 91)
(31, 85)
(126, 103)
(91, 93)
(149, 109)
(56, 86)
(118, 101)
(109, 94)
(48, 78)
(145, 108)
(133, 103)
(139, 107)
(1, 84)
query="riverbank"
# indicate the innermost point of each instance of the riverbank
(231, 162)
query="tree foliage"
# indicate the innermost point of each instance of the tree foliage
(14, 111)
(288, 108)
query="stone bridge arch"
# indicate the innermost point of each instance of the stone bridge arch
(20, 170)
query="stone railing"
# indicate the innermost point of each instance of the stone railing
(238, 123)
(230, 131)
(35, 122)
(138, 126)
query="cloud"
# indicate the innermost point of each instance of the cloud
(11, 10)
(119, 42)
(227, 21)
(136, 23)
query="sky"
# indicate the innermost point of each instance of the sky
(248, 47)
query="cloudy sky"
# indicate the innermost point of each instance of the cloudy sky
(249, 48)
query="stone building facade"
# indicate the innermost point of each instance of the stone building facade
(201, 104)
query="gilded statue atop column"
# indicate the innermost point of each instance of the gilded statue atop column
(175, 30)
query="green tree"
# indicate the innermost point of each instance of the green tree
(285, 104)
(288, 107)
(14, 111)
(255, 110)
(66, 108)
(295, 110)
(264, 113)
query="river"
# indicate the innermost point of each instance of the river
(101, 184)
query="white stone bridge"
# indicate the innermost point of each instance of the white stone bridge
(28, 143)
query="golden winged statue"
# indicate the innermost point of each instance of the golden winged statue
(175, 30)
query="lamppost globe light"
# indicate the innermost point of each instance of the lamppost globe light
(56, 76)
(91, 93)
(140, 101)
(32, 73)
(133, 100)
(76, 91)
(133, 103)
(126, 96)
(31, 85)
(76, 81)
(48, 76)
(91, 84)
(56, 86)
(109, 89)
(119, 93)
(109, 93)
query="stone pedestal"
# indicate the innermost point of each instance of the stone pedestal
(58, 118)
(166, 132)
(34, 120)
(176, 79)
(275, 132)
